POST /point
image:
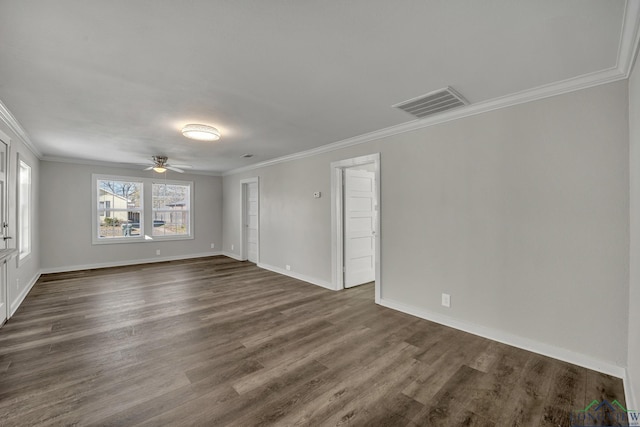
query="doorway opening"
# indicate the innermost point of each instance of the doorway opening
(355, 222)
(250, 221)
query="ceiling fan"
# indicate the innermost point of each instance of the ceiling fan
(160, 165)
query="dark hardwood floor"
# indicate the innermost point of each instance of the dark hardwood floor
(213, 341)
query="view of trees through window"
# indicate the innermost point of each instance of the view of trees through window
(119, 208)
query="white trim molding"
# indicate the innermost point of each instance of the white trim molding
(510, 339)
(68, 268)
(133, 166)
(541, 92)
(18, 301)
(299, 276)
(627, 48)
(9, 119)
(232, 255)
(629, 395)
(629, 37)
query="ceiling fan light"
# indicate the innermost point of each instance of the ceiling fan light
(160, 169)
(201, 132)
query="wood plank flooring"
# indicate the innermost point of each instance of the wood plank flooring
(216, 342)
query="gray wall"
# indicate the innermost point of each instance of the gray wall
(521, 214)
(65, 210)
(634, 290)
(22, 274)
(294, 227)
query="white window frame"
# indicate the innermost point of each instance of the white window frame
(173, 182)
(24, 254)
(146, 210)
(94, 210)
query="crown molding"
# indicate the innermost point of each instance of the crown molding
(627, 49)
(132, 166)
(77, 161)
(546, 91)
(629, 37)
(13, 124)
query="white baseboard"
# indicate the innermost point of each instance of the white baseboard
(15, 304)
(68, 268)
(304, 278)
(629, 395)
(232, 255)
(510, 339)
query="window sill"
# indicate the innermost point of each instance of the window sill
(141, 239)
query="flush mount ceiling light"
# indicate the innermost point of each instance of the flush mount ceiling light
(201, 132)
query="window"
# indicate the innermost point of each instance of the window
(119, 213)
(24, 209)
(119, 209)
(171, 209)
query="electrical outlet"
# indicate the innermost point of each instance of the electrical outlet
(446, 300)
(231, 247)
(213, 245)
(157, 251)
(288, 267)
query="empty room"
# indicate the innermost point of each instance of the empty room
(319, 213)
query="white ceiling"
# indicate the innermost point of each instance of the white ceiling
(116, 80)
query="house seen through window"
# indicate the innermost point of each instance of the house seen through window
(121, 209)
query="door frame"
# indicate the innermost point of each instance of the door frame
(337, 219)
(244, 184)
(4, 265)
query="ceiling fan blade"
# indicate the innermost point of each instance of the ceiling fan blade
(148, 169)
(182, 166)
(173, 168)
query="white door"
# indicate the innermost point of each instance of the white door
(359, 227)
(251, 221)
(4, 229)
